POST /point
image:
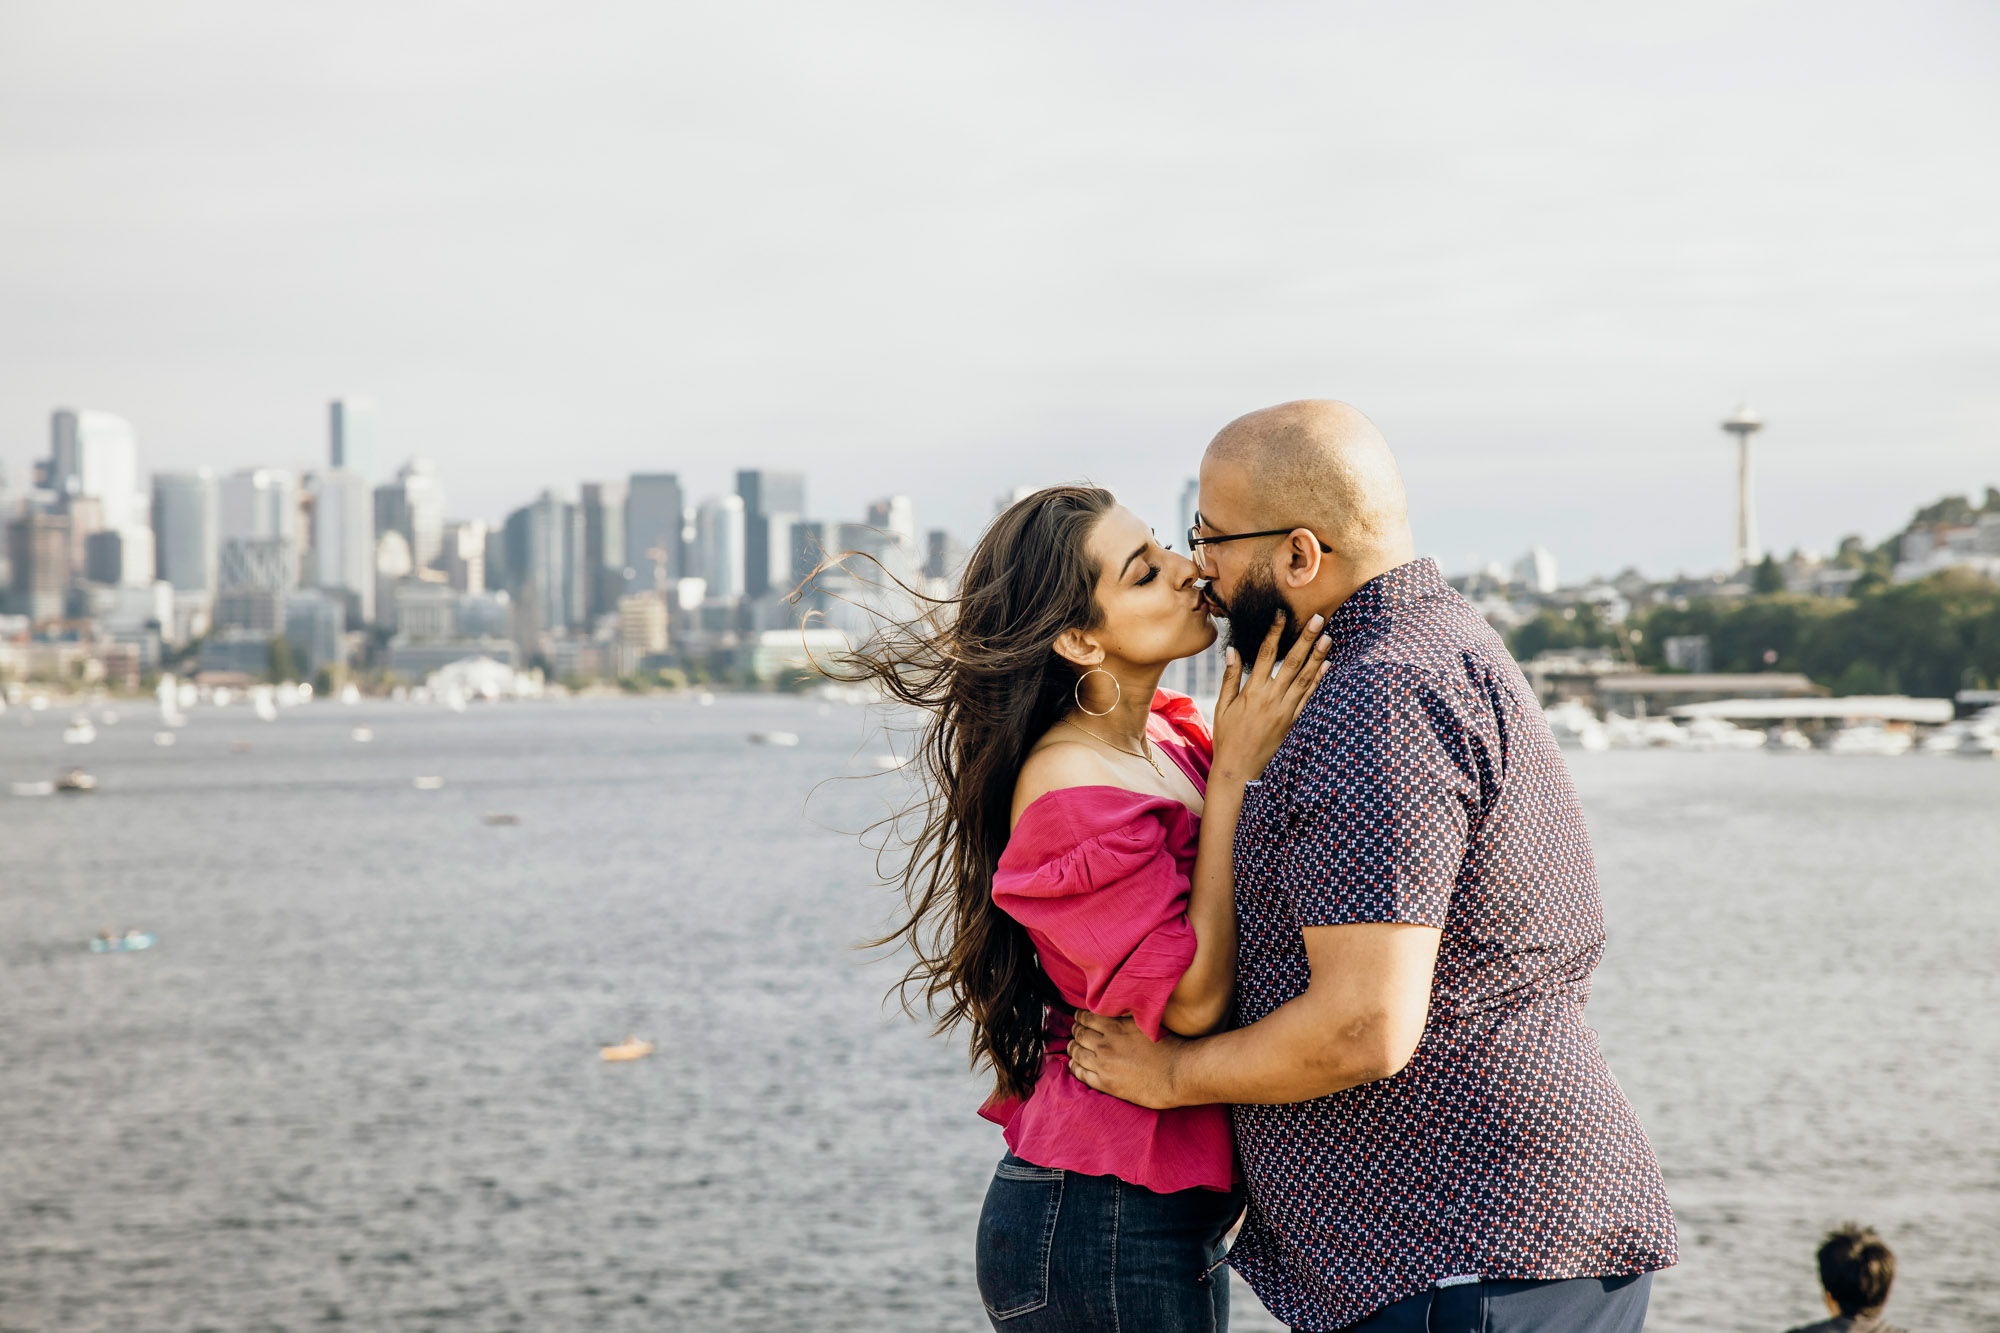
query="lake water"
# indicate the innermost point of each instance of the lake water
(356, 1083)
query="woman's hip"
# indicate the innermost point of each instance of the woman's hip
(1064, 1252)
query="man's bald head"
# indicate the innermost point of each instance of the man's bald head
(1317, 464)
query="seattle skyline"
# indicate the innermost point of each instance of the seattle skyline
(986, 249)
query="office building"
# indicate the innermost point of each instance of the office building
(426, 612)
(772, 502)
(719, 545)
(545, 566)
(119, 557)
(604, 553)
(351, 438)
(942, 555)
(259, 503)
(1536, 570)
(38, 551)
(96, 454)
(343, 540)
(413, 504)
(655, 528)
(642, 629)
(314, 622)
(464, 559)
(187, 532)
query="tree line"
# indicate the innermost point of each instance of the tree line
(1930, 638)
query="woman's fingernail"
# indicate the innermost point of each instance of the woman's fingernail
(1325, 642)
(1315, 622)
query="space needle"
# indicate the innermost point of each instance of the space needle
(1744, 423)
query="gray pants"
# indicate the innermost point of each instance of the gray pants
(1575, 1305)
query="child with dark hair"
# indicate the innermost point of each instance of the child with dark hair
(1856, 1271)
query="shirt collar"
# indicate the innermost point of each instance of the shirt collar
(1382, 597)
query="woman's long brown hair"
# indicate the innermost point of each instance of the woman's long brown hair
(982, 664)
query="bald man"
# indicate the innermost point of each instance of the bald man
(1431, 1140)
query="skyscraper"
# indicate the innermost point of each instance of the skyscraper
(351, 437)
(260, 502)
(187, 533)
(719, 528)
(545, 564)
(96, 454)
(413, 504)
(604, 553)
(772, 503)
(38, 549)
(344, 540)
(655, 515)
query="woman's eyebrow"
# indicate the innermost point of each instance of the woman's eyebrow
(1130, 558)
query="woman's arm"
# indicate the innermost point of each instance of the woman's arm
(1251, 720)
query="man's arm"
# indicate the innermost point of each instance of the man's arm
(1359, 1020)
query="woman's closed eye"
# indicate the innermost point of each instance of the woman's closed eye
(1152, 572)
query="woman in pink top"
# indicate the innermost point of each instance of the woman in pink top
(1076, 853)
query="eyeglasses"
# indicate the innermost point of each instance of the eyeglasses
(1196, 542)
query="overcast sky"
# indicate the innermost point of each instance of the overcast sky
(949, 248)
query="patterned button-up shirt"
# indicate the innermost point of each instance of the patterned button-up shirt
(1421, 785)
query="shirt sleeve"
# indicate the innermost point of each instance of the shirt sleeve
(1114, 906)
(1378, 825)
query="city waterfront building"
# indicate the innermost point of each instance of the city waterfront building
(719, 529)
(392, 566)
(351, 438)
(426, 612)
(655, 520)
(466, 543)
(343, 540)
(604, 552)
(642, 629)
(413, 504)
(314, 623)
(119, 557)
(237, 651)
(545, 566)
(772, 503)
(259, 503)
(187, 529)
(96, 454)
(39, 549)
(1536, 571)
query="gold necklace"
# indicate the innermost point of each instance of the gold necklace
(1138, 754)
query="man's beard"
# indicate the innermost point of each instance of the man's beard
(1251, 612)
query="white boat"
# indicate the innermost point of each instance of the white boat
(362, 734)
(1575, 727)
(1644, 733)
(1870, 738)
(163, 739)
(705, 699)
(32, 788)
(428, 783)
(1714, 733)
(264, 704)
(1787, 738)
(783, 738)
(890, 761)
(79, 731)
(350, 695)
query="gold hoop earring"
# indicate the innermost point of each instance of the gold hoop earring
(1116, 699)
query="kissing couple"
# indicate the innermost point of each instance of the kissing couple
(1320, 969)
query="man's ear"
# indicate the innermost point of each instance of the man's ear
(1079, 648)
(1297, 560)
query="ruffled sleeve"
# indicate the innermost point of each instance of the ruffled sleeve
(1095, 874)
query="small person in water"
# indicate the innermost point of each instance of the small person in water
(1856, 1271)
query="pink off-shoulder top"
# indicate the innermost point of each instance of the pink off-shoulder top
(1099, 876)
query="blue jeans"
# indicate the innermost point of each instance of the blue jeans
(1573, 1305)
(1062, 1252)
